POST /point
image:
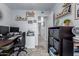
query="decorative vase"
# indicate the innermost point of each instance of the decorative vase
(67, 22)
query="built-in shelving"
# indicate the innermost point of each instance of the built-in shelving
(60, 41)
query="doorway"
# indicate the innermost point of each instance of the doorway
(42, 30)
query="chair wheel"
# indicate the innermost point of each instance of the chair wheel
(14, 53)
(22, 53)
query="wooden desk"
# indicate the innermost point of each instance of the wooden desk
(5, 42)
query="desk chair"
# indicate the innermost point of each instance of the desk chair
(20, 44)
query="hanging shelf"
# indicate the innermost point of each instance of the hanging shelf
(66, 10)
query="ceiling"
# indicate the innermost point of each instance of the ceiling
(29, 6)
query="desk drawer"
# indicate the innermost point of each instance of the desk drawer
(30, 42)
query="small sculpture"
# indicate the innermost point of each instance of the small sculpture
(67, 22)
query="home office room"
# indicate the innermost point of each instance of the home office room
(39, 29)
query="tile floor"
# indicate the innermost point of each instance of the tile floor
(40, 50)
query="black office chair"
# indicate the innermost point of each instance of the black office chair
(20, 44)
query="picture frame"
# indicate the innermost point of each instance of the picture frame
(1, 15)
(77, 11)
(34, 21)
(30, 22)
(30, 14)
(20, 18)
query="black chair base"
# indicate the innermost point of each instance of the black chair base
(19, 51)
(6, 52)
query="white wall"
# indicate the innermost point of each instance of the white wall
(50, 19)
(6, 15)
(24, 26)
(49, 23)
(10, 15)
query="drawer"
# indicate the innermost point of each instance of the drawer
(30, 42)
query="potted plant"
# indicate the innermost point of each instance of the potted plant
(67, 22)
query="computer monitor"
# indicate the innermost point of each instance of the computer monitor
(4, 30)
(14, 29)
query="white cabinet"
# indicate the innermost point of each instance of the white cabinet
(30, 42)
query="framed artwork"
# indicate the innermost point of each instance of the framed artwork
(20, 18)
(30, 14)
(34, 21)
(30, 21)
(0, 15)
(77, 11)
